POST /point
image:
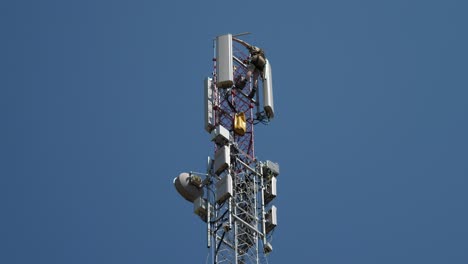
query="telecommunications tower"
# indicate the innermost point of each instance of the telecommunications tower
(234, 197)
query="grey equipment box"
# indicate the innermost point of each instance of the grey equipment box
(267, 248)
(222, 159)
(270, 168)
(224, 63)
(271, 219)
(270, 191)
(200, 208)
(224, 189)
(220, 135)
(209, 113)
(268, 104)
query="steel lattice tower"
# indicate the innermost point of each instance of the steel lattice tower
(237, 188)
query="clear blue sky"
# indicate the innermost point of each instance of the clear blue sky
(101, 107)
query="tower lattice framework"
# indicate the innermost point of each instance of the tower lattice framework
(234, 196)
(237, 224)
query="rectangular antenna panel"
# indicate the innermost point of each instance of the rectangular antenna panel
(268, 105)
(222, 159)
(224, 189)
(209, 114)
(224, 64)
(271, 219)
(270, 191)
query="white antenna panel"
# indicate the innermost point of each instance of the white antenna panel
(222, 159)
(209, 114)
(271, 219)
(268, 104)
(224, 64)
(270, 191)
(224, 189)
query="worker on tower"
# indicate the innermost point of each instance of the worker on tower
(256, 65)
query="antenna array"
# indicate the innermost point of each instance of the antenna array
(234, 196)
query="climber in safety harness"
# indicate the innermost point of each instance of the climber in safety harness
(256, 66)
